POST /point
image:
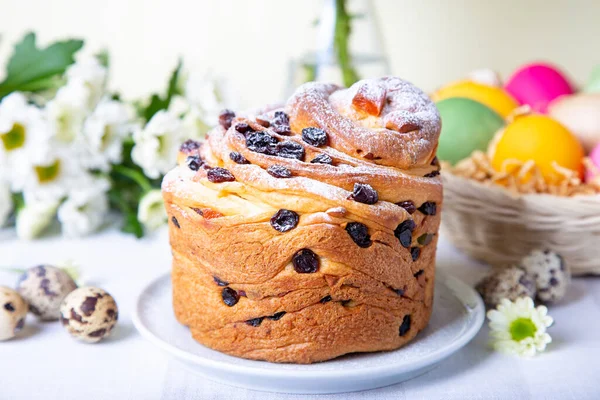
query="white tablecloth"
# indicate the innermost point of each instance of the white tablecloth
(47, 364)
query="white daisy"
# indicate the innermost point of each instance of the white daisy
(6, 204)
(23, 134)
(209, 94)
(92, 75)
(103, 134)
(35, 217)
(151, 210)
(85, 209)
(157, 144)
(67, 111)
(519, 327)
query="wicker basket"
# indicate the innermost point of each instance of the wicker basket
(491, 224)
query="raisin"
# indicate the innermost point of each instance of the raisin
(242, 127)
(325, 299)
(408, 205)
(305, 262)
(255, 321)
(314, 136)
(279, 171)
(189, 145)
(364, 193)
(218, 175)
(418, 273)
(9, 307)
(405, 326)
(284, 220)
(282, 129)
(280, 118)
(425, 239)
(435, 161)
(399, 292)
(175, 222)
(225, 118)
(359, 233)
(404, 232)
(238, 158)
(289, 149)
(432, 174)
(428, 208)
(261, 142)
(230, 297)
(194, 163)
(277, 316)
(415, 252)
(220, 282)
(322, 159)
(345, 302)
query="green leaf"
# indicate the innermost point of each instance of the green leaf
(32, 69)
(158, 103)
(103, 58)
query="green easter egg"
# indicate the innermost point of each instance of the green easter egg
(467, 125)
(593, 84)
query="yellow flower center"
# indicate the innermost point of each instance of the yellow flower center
(14, 138)
(48, 173)
(522, 328)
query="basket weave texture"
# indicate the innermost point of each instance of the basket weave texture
(491, 224)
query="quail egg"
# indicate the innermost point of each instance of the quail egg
(44, 287)
(89, 314)
(13, 310)
(550, 274)
(506, 283)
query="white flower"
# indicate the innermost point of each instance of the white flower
(35, 217)
(179, 106)
(157, 145)
(519, 327)
(85, 209)
(194, 125)
(151, 210)
(6, 204)
(104, 132)
(209, 94)
(23, 134)
(92, 75)
(67, 111)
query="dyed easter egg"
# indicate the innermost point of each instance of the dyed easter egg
(537, 85)
(541, 139)
(593, 84)
(467, 125)
(495, 98)
(580, 113)
(594, 157)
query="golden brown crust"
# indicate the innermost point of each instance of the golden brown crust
(369, 298)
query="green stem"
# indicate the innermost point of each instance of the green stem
(341, 41)
(15, 270)
(134, 175)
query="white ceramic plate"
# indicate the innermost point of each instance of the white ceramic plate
(458, 313)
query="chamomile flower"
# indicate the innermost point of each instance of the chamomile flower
(35, 217)
(157, 144)
(519, 327)
(151, 210)
(23, 133)
(6, 204)
(67, 112)
(85, 209)
(104, 132)
(92, 75)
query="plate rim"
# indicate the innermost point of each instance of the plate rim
(467, 296)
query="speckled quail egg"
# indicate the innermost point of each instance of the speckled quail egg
(549, 272)
(44, 287)
(89, 314)
(13, 310)
(506, 283)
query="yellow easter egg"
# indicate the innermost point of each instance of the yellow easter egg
(494, 97)
(543, 140)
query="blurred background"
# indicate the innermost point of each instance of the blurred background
(251, 42)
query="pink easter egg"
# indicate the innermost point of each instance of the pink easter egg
(595, 158)
(537, 85)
